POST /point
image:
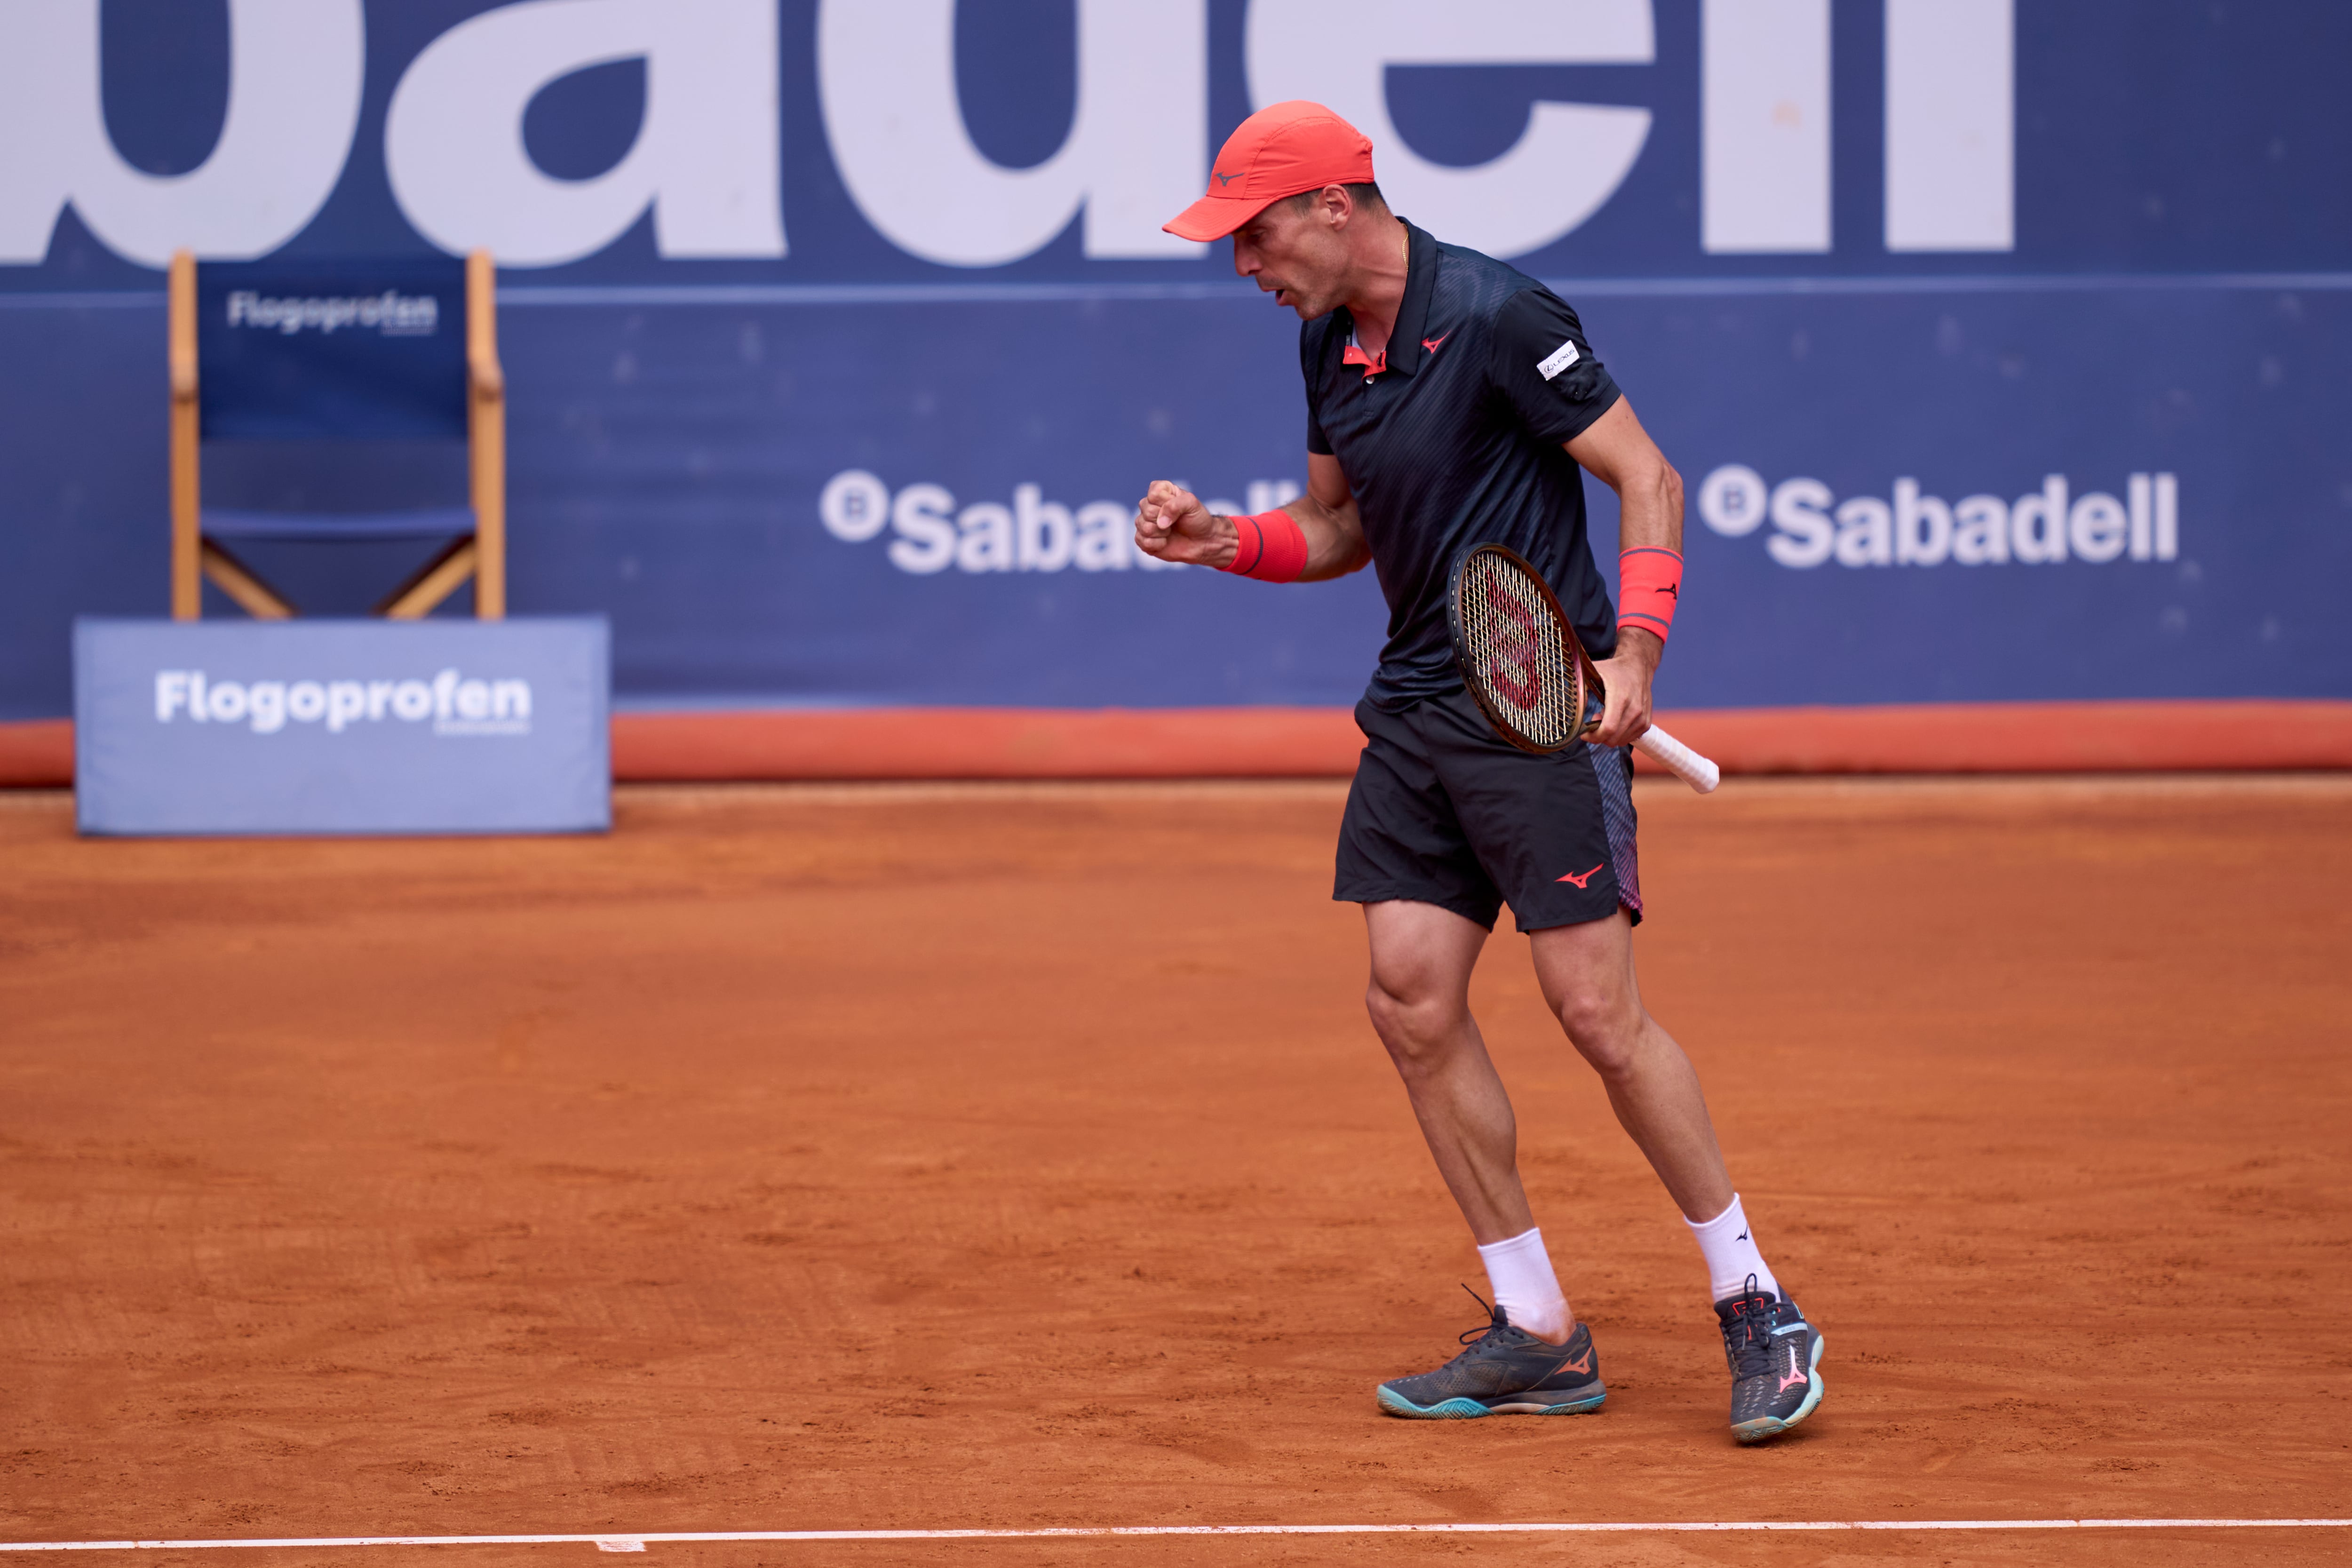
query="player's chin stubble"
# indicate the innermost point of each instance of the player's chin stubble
(1307, 306)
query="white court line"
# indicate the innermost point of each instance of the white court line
(617, 1540)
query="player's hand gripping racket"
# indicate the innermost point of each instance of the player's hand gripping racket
(1521, 661)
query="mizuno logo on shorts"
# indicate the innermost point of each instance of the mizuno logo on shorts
(1582, 877)
(1560, 360)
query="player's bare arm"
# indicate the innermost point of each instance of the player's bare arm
(1170, 524)
(1618, 452)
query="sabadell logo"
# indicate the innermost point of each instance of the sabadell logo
(1812, 527)
(931, 531)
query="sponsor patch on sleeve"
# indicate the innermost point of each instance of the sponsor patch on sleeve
(1560, 360)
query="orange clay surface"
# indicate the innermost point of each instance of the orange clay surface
(1012, 1155)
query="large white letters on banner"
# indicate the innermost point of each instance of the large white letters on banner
(1951, 94)
(1764, 126)
(707, 158)
(1572, 157)
(294, 77)
(1136, 155)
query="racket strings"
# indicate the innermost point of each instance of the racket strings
(1523, 665)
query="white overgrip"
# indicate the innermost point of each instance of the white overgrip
(1680, 760)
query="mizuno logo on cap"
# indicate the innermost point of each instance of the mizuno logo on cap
(1228, 179)
(1560, 360)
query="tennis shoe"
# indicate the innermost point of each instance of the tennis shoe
(1775, 1356)
(1505, 1371)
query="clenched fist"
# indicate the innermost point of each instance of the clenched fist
(1170, 524)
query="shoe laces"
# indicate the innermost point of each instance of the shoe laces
(1477, 1338)
(1747, 1334)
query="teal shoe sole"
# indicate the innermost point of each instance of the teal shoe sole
(1459, 1409)
(1769, 1427)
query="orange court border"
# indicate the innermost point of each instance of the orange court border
(2235, 734)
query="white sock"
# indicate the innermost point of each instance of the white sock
(1730, 1256)
(1519, 1272)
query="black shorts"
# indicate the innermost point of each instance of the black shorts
(1443, 811)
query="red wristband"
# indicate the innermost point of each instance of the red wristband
(1649, 585)
(1271, 547)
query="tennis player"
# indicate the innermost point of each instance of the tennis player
(1453, 402)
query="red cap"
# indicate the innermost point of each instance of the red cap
(1280, 151)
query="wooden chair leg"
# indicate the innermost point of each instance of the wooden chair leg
(238, 582)
(431, 582)
(486, 432)
(187, 543)
(491, 511)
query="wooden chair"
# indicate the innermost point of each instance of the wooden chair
(338, 350)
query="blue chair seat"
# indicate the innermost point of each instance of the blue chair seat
(431, 523)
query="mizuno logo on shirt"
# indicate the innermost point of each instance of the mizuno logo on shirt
(1560, 359)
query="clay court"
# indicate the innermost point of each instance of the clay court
(1016, 1156)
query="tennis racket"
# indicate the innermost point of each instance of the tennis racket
(1532, 678)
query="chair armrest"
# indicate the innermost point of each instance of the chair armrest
(180, 337)
(484, 376)
(488, 381)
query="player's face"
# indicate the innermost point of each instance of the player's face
(1298, 255)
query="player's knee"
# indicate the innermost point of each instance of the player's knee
(1416, 1029)
(1391, 1014)
(1605, 1026)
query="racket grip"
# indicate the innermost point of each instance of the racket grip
(1680, 760)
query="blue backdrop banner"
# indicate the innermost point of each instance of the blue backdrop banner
(2002, 348)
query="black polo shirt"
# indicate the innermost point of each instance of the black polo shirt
(1456, 443)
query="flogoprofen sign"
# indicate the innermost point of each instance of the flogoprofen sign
(393, 313)
(457, 705)
(341, 726)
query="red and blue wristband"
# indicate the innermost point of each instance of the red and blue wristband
(1649, 585)
(1271, 547)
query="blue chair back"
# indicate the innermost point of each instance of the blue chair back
(332, 349)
